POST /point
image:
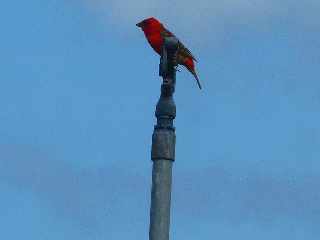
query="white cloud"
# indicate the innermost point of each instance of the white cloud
(208, 17)
(199, 11)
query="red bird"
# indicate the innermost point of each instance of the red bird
(155, 33)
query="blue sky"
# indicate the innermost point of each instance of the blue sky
(78, 90)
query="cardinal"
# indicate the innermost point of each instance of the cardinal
(155, 33)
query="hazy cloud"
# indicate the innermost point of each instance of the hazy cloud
(86, 196)
(209, 19)
(92, 197)
(247, 196)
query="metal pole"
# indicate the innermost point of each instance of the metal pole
(163, 146)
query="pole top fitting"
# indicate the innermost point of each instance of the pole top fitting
(168, 59)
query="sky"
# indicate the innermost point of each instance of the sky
(79, 85)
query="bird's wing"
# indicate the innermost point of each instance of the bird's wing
(185, 51)
(182, 51)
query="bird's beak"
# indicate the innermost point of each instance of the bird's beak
(139, 24)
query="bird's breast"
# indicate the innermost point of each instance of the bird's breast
(155, 41)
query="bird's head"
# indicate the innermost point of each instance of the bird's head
(149, 23)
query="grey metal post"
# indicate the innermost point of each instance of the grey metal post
(163, 146)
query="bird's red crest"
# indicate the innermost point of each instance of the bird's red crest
(150, 22)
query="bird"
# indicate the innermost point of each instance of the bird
(155, 32)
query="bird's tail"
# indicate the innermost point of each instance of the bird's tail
(196, 77)
(190, 66)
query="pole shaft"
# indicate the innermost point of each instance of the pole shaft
(160, 200)
(163, 146)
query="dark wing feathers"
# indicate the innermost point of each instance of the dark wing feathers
(182, 49)
(185, 51)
